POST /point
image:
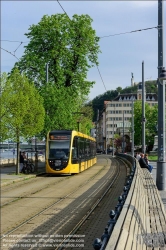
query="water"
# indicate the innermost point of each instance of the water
(7, 154)
(12, 154)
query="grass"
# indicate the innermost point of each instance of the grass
(152, 157)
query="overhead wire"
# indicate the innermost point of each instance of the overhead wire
(123, 33)
(10, 53)
(96, 64)
(13, 41)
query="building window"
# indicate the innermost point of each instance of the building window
(139, 97)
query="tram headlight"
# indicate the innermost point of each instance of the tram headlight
(64, 163)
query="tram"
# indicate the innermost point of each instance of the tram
(69, 152)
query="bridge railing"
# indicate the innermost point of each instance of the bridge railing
(114, 214)
(139, 219)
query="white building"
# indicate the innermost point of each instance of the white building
(117, 114)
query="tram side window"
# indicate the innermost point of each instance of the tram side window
(87, 147)
(93, 148)
(75, 148)
(81, 151)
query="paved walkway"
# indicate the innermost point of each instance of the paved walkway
(162, 193)
(8, 176)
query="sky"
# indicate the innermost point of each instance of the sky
(121, 54)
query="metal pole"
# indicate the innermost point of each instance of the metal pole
(78, 126)
(161, 164)
(46, 72)
(106, 130)
(143, 110)
(132, 147)
(113, 139)
(123, 134)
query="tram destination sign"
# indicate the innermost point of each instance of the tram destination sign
(59, 137)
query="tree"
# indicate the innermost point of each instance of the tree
(70, 47)
(22, 109)
(151, 120)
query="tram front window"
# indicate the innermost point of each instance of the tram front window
(59, 149)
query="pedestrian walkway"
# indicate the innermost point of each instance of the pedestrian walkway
(162, 193)
(8, 174)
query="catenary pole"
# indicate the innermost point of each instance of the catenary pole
(46, 72)
(143, 110)
(161, 164)
(132, 121)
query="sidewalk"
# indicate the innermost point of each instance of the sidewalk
(162, 193)
(8, 174)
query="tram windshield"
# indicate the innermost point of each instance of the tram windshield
(59, 149)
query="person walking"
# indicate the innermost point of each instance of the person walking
(21, 162)
(147, 162)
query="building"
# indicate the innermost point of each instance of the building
(116, 117)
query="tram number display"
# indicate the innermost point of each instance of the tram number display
(59, 137)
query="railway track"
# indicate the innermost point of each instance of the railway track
(70, 213)
(6, 199)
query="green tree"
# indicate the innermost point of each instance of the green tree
(151, 115)
(22, 109)
(70, 47)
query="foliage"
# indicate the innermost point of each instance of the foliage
(64, 109)
(70, 48)
(151, 120)
(22, 111)
(98, 102)
(117, 141)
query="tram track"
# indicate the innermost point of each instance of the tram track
(98, 188)
(28, 194)
(53, 203)
(82, 221)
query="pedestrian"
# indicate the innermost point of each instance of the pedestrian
(21, 162)
(147, 162)
(138, 156)
(24, 155)
(142, 162)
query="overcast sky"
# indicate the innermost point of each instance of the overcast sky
(121, 54)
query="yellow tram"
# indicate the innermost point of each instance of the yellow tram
(69, 152)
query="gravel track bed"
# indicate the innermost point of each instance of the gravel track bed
(73, 197)
(19, 211)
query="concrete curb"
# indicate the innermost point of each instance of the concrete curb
(19, 179)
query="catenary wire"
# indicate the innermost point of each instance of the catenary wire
(96, 64)
(123, 33)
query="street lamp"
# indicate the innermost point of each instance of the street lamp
(79, 120)
(161, 163)
(132, 129)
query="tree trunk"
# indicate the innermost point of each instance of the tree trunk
(18, 159)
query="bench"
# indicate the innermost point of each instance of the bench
(142, 221)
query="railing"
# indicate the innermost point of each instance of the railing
(100, 244)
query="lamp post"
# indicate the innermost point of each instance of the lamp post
(161, 163)
(123, 148)
(79, 120)
(143, 110)
(113, 140)
(132, 129)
